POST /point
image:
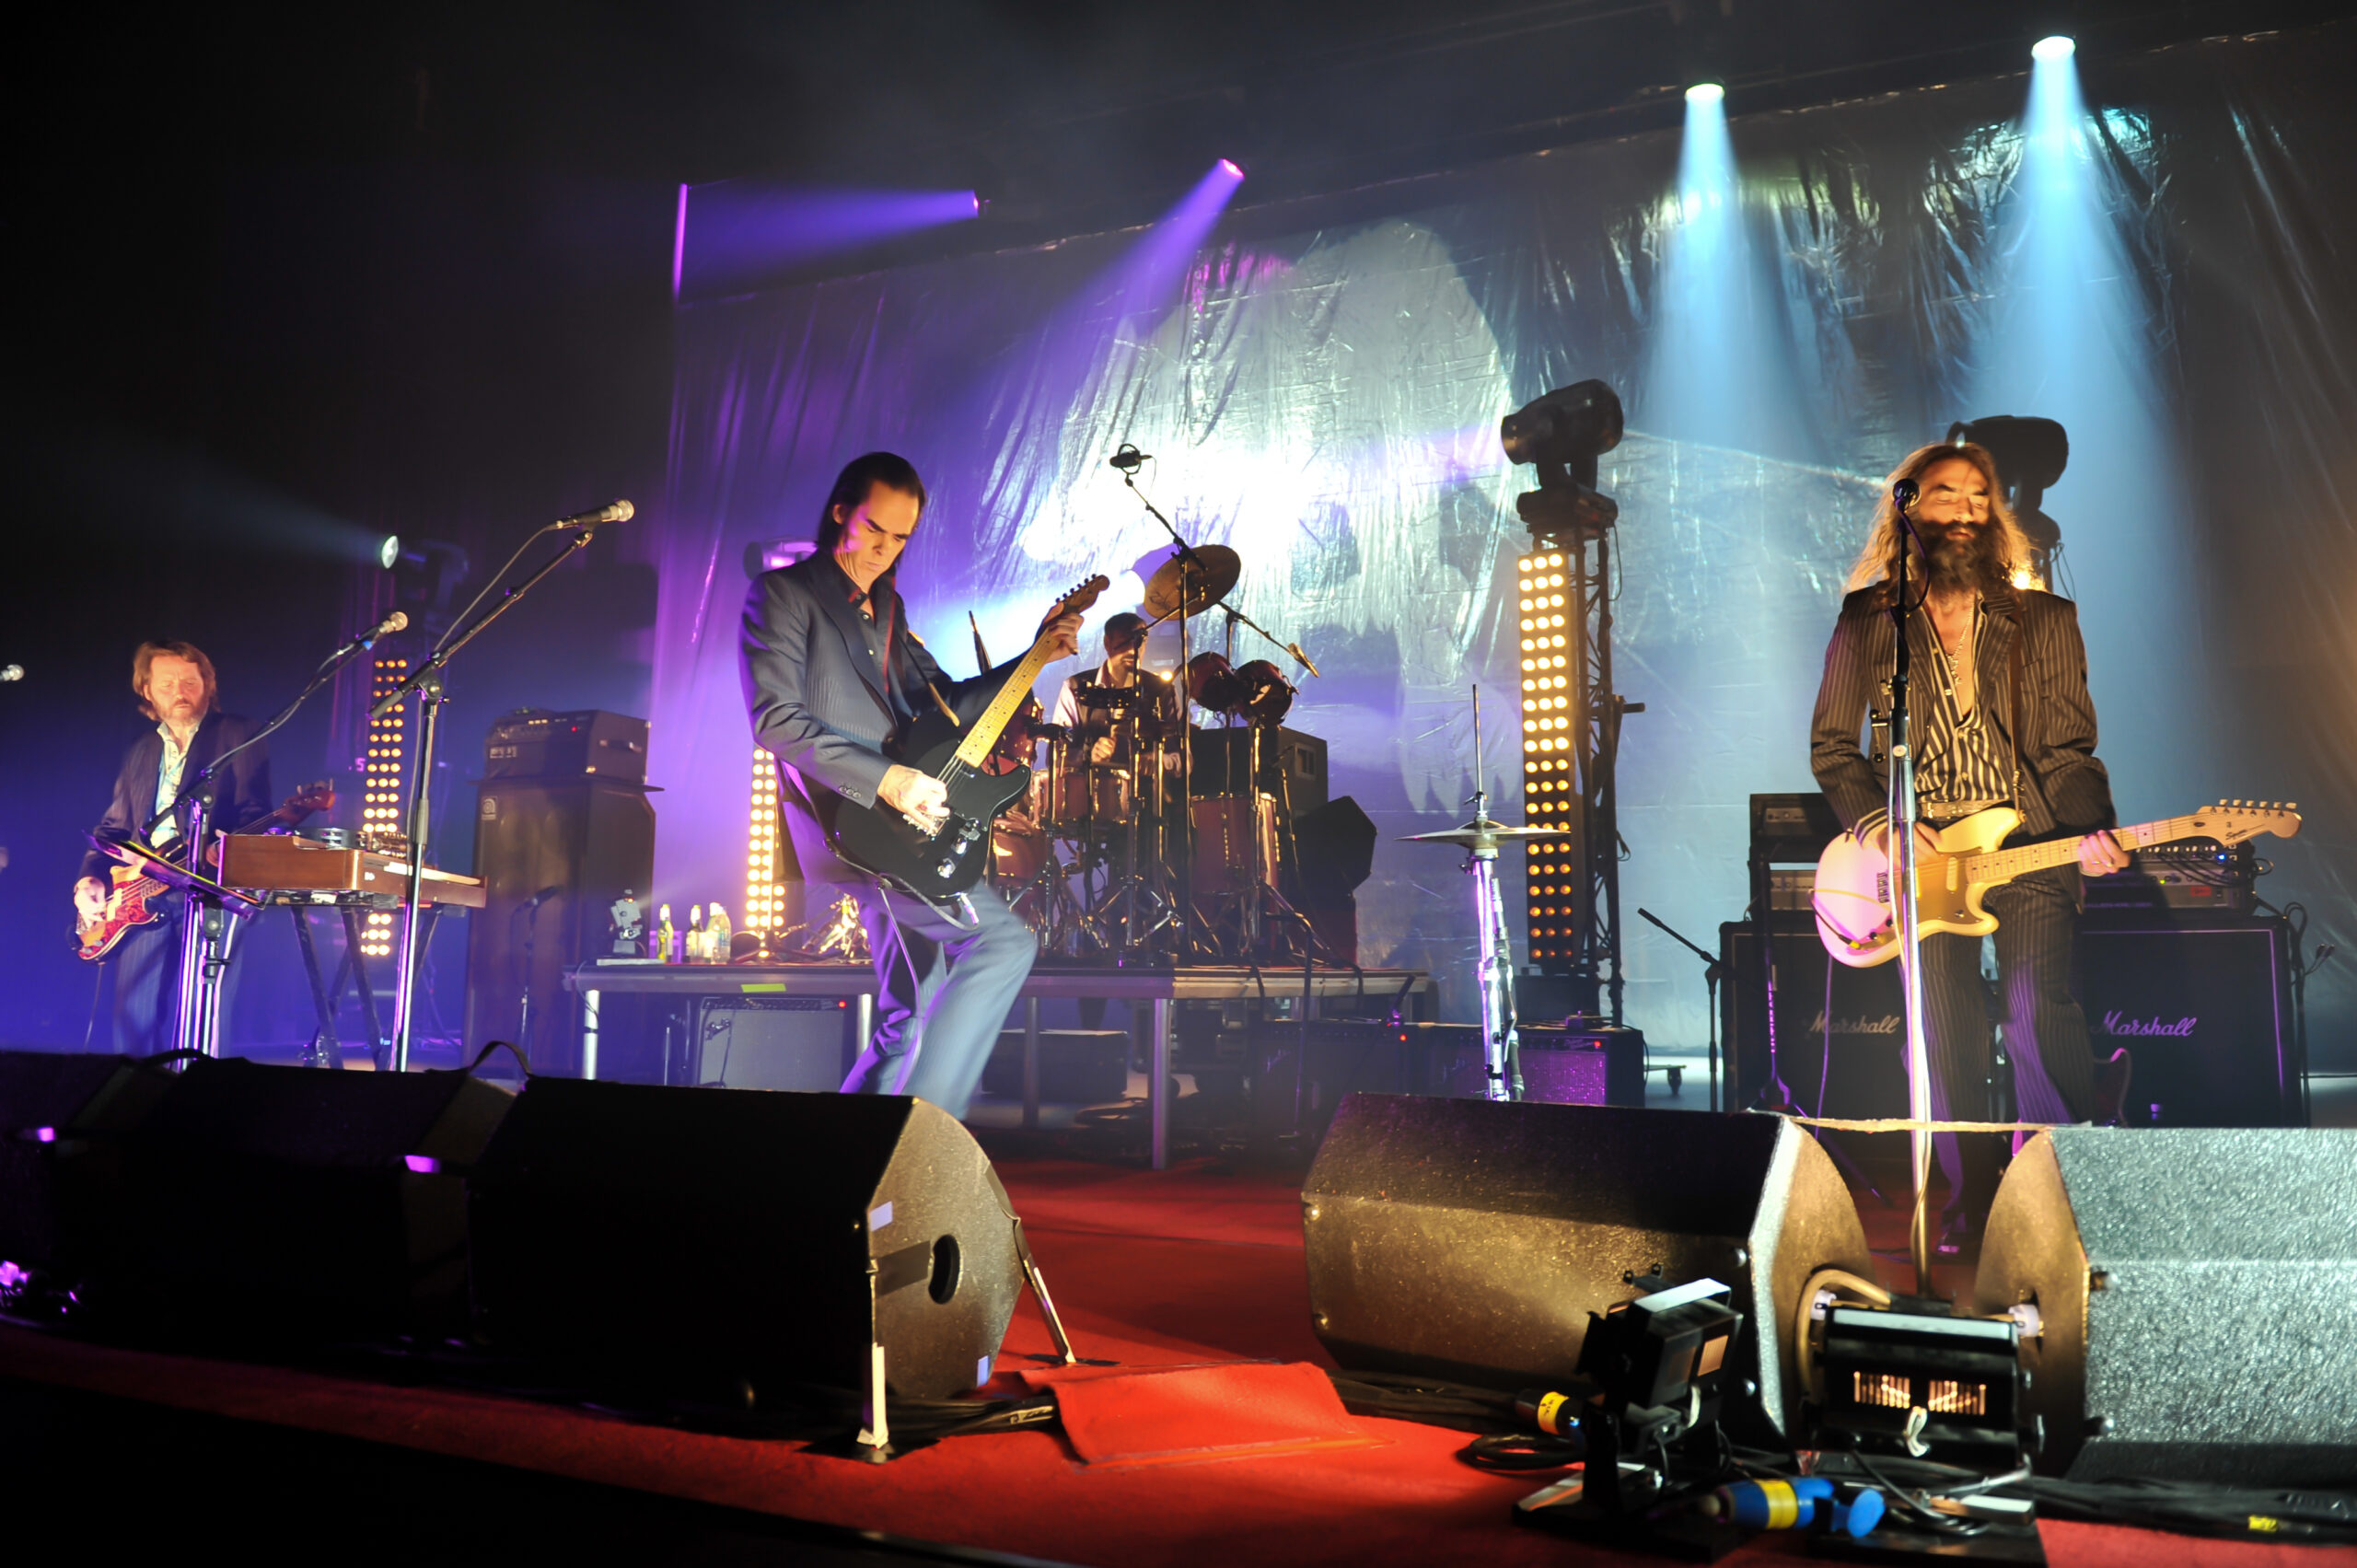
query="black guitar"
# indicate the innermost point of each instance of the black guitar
(938, 866)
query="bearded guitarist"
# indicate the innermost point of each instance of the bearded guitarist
(831, 674)
(176, 688)
(2000, 715)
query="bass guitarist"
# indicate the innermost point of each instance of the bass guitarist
(176, 688)
(2000, 715)
(831, 673)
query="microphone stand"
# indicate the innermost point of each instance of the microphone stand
(425, 683)
(1713, 971)
(1188, 561)
(1900, 816)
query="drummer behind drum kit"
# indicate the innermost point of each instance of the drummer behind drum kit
(1176, 852)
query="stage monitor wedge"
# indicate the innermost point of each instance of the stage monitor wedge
(1469, 1239)
(2196, 1292)
(716, 1235)
(249, 1201)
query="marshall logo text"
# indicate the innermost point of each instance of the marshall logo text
(1886, 1025)
(2117, 1023)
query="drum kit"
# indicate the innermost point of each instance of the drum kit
(1170, 844)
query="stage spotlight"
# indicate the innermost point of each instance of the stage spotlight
(1706, 92)
(1234, 171)
(2057, 46)
(389, 550)
(1562, 435)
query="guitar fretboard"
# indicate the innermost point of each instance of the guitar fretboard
(2005, 864)
(975, 749)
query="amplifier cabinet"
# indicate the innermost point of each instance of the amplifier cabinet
(2203, 1005)
(767, 1042)
(553, 854)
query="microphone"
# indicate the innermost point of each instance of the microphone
(1904, 494)
(1128, 458)
(1295, 649)
(611, 512)
(392, 624)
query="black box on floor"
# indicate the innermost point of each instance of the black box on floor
(1077, 1067)
(1593, 1065)
(768, 1043)
(1347, 1055)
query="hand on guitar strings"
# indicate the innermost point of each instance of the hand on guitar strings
(2100, 854)
(90, 897)
(921, 797)
(1062, 634)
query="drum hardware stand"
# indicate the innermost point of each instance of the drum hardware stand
(1501, 1046)
(425, 683)
(1187, 561)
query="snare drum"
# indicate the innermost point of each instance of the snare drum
(1019, 851)
(1225, 828)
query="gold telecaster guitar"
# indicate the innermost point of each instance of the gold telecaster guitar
(1853, 897)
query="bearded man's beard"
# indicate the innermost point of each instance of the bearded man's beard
(1964, 556)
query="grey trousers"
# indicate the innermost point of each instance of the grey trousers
(943, 994)
(2046, 1031)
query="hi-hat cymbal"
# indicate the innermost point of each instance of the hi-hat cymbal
(1208, 577)
(1484, 833)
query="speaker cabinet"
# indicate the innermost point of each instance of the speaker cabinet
(742, 1234)
(554, 854)
(1469, 1239)
(245, 1199)
(1859, 1069)
(46, 1102)
(2203, 1006)
(2194, 1292)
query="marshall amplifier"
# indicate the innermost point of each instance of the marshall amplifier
(532, 743)
(1861, 1072)
(2203, 1006)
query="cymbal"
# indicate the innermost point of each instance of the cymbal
(1213, 572)
(1483, 832)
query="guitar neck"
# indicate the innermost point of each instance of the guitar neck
(2005, 864)
(975, 749)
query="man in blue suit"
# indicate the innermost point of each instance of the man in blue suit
(831, 671)
(177, 688)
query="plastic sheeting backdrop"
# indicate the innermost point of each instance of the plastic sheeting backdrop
(1321, 384)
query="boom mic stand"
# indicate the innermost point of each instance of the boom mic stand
(425, 683)
(1900, 816)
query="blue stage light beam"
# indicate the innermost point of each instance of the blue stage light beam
(735, 232)
(2073, 338)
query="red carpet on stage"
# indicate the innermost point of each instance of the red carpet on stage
(1216, 1438)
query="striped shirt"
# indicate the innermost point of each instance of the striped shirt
(1960, 757)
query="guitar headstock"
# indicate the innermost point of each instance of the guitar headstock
(318, 796)
(2231, 821)
(1082, 596)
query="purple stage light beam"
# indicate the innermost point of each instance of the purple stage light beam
(1144, 276)
(736, 232)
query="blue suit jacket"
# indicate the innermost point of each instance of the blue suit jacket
(821, 699)
(242, 790)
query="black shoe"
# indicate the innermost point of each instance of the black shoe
(2111, 1089)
